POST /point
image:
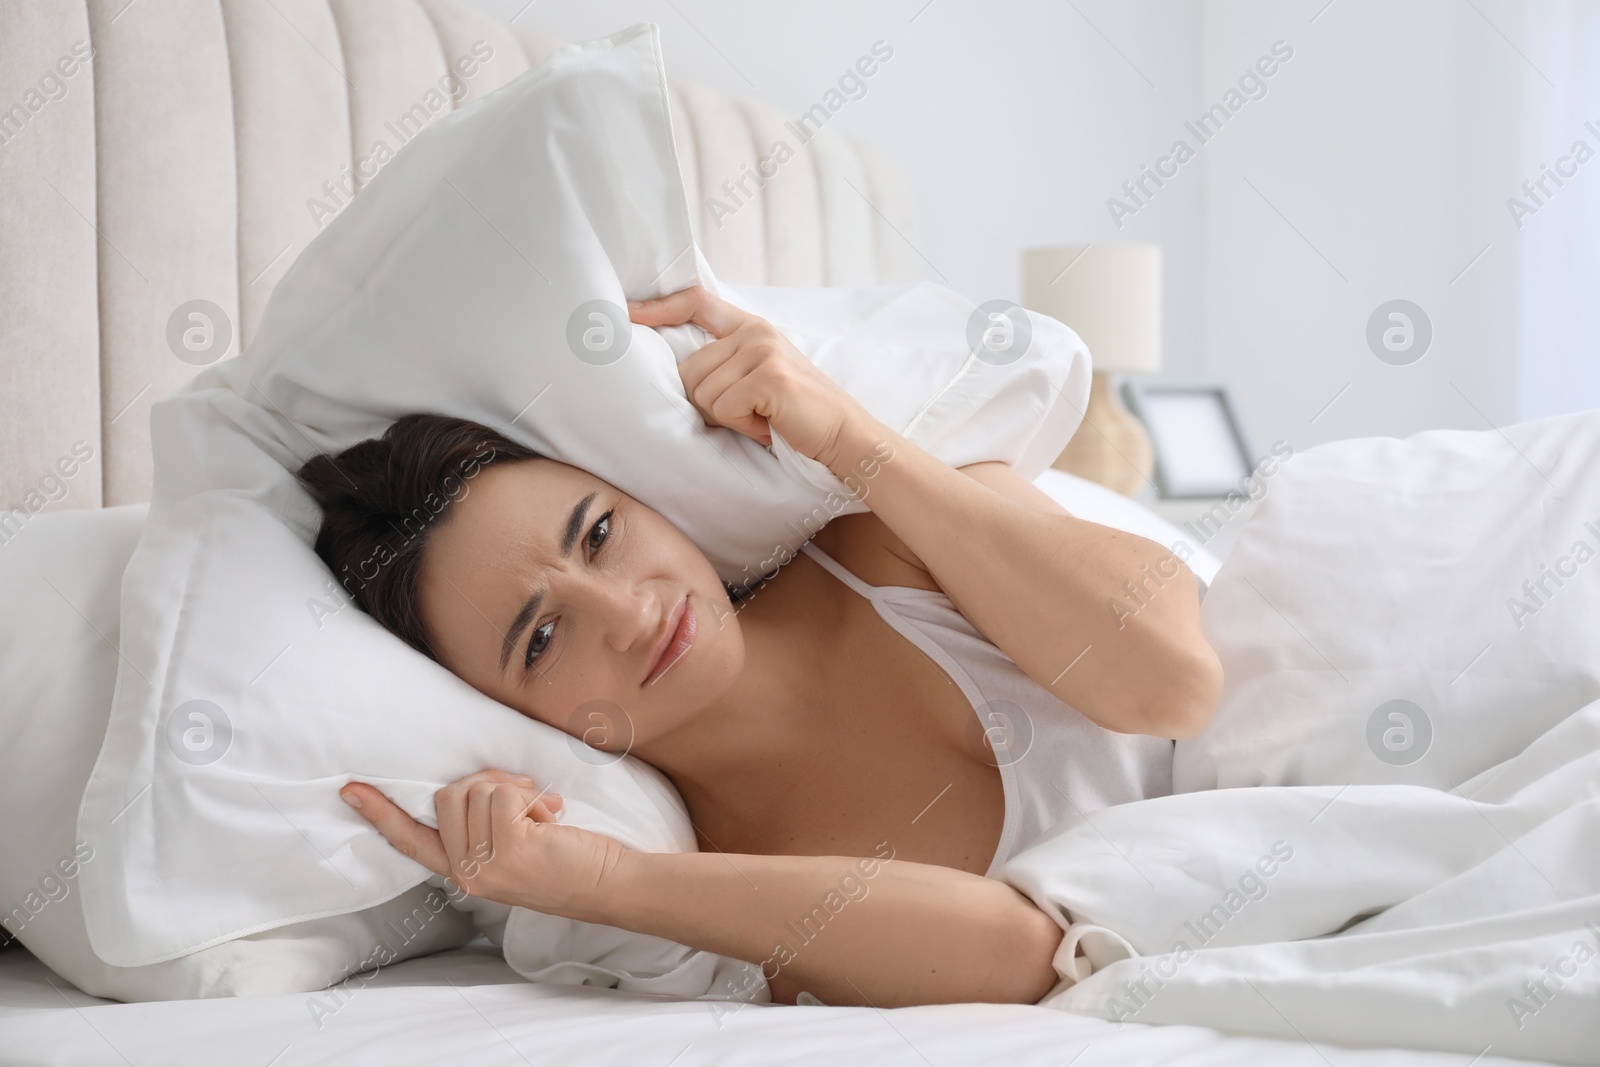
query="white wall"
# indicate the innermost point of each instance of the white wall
(1386, 148)
(1381, 157)
(1559, 244)
(1013, 120)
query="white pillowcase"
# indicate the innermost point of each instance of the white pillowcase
(462, 281)
(1383, 608)
(59, 579)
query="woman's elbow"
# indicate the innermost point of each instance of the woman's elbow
(1175, 673)
(1186, 693)
(1027, 958)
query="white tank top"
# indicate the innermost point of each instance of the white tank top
(1053, 761)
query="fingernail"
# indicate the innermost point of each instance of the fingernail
(525, 780)
(636, 303)
(351, 799)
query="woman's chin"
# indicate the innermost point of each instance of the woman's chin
(693, 685)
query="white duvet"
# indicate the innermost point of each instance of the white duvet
(1388, 836)
(1393, 833)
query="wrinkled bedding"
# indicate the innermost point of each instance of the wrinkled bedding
(1391, 830)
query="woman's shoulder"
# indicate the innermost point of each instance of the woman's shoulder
(864, 545)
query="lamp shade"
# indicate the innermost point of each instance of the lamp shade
(1109, 294)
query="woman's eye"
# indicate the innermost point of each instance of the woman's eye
(600, 531)
(541, 637)
(538, 641)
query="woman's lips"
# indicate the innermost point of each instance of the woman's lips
(678, 644)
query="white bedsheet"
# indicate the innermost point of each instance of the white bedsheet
(1243, 907)
(467, 1006)
(1405, 845)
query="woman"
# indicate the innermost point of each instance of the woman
(829, 728)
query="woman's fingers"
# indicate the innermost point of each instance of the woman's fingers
(464, 834)
(491, 774)
(700, 363)
(464, 828)
(493, 809)
(480, 833)
(711, 371)
(695, 304)
(402, 831)
(506, 807)
(462, 785)
(726, 393)
(543, 807)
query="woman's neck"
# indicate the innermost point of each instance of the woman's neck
(736, 755)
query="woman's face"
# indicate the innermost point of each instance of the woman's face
(555, 593)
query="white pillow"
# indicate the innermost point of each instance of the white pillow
(59, 576)
(453, 284)
(1383, 609)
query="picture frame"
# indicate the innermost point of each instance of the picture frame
(1198, 439)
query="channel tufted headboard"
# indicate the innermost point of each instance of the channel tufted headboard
(206, 142)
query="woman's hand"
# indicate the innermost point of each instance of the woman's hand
(751, 378)
(498, 838)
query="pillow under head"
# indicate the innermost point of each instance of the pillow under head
(59, 579)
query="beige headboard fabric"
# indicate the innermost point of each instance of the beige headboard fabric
(204, 145)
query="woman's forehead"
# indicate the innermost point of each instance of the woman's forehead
(517, 506)
(500, 539)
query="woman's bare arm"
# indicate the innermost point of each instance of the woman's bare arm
(906, 933)
(873, 930)
(1106, 620)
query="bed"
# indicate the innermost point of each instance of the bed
(467, 1006)
(145, 185)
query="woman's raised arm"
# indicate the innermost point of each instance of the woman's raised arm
(1107, 621)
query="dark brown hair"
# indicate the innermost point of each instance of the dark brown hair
(381, 499)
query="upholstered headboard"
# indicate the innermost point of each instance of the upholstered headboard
(206, 142)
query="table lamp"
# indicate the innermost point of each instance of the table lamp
(1111, 295)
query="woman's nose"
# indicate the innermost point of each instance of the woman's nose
(633, 617)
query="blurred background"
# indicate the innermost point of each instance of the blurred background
(1383, 160)
(1276, 223)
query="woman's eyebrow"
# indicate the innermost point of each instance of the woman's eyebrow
(530, 608)
(575, 524)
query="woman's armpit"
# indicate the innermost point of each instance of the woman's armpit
(865, 546)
